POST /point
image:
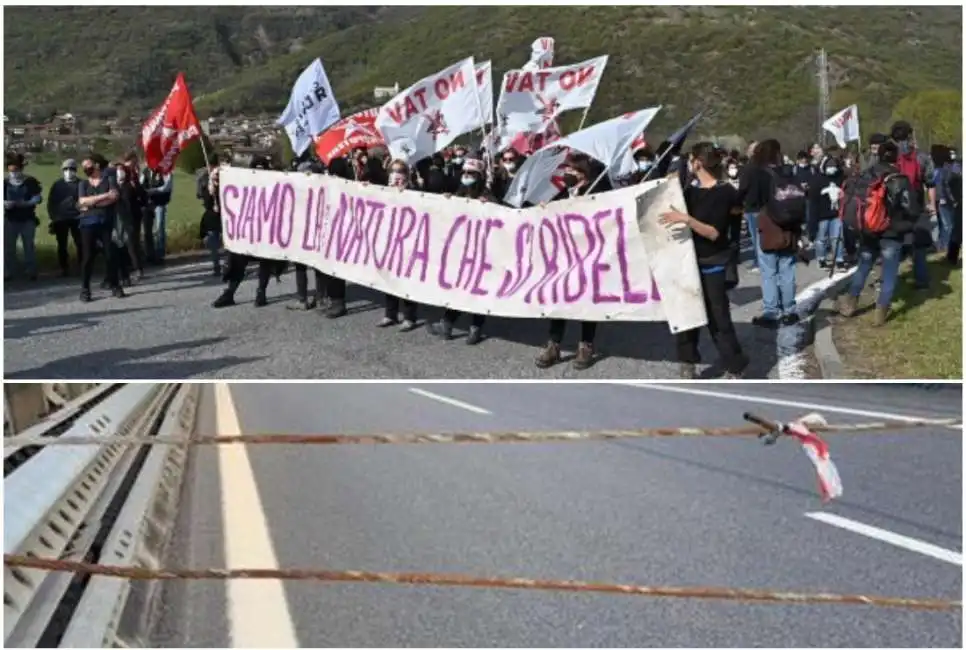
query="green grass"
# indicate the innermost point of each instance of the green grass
(184, 216)
(922, 338)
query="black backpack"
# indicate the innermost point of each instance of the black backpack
(787, 201)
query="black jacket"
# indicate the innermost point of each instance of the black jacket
(62, 201)
(30, 188)
(899, 195)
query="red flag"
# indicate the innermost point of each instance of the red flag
(170, 128)
(357, 130)
(829, 482)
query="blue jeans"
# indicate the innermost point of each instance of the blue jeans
(777, 284)
(891, 252)
(160, 230)
(213, 244)
(26, 231)
(920, 266)
(829, 231)
(947, 216)
(751, 218)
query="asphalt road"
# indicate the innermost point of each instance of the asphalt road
(166, 329)
(722, 512)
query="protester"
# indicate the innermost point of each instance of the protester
(210, 230)
(472, 186)
(129, 203)
(510, 163)
(778, 204)
(876, 140)
(805, 174)
(97, 197)
(733, 167)
(21, 196)
(919, 170)
(955, 195)
(578, 176)
(714, 227)
(63, 213)
(887, 245)
(335, 287)
(824, 193)
(399, 178)
(943, 177)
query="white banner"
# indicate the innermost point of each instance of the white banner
(530, 99)
(432, 113)
(484, 83)
(591, 258)
(844, 126)
(609, 142)
(541, 54)
(311, 109)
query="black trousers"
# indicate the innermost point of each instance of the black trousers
(588, 331)
(335, 288)
(720, 326)
(451, 315)
(956, 237)
(93, 237)
(147, 223)
(135, 245)
(236, 271)
(64, 230)
(393, 304)
(302, 282)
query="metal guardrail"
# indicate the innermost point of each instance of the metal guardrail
(111, 502)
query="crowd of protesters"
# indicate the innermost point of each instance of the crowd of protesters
(788, 211)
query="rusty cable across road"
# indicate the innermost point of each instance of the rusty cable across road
(471, 437)
(459, 580)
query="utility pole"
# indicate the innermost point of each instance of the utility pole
(823, 95)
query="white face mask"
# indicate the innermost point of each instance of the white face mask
(467, 181)
(733, 172)
(831, 171)
(15, 178)
(510, 166)
(397, 179)
(121, 175)
(644, 165)
(70, 175)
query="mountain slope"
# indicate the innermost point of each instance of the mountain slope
(750, 66)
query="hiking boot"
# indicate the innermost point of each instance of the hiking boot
(407, 326)
(881, 316)
(790, 319)
(388, 321)
(847, 305)
(767, 322)
(85, 295)
(549, 356)
(585, 356)
(226, 299)
(475, 337)
(442, 329)
(260, 299)
(687, 371)
(302, 304)
(118, 292)
(336, 309)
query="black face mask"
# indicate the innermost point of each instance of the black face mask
(88, 171)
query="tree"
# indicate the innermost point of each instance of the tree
(936, 116)
(192, 157)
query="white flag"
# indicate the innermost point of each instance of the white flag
(609, 142)
(484, 83)
(530, 100)
(311, 109)
(541, 54)
(432, 113)
(844, 125)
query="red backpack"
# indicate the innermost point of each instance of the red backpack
(865, 204)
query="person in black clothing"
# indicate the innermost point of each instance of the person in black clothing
(97, 196)
(304, 302)
(335, 287)
(63, 213)
(399, 177)
(22, 194)
(510, 163)
(472, 186)
(714, 226)
(209, 183)
(238, 263)
(805, 173)
(578, 176)
(823, 193)
(129, 203)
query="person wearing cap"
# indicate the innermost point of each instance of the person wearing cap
(21, 196)
(64, 215)
(472, 186)
(872, 158)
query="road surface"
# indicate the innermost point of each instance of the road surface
(722, 512)
(166, 329)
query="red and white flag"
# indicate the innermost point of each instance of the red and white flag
(170, 128)
(432, 113)
(844, 125)
(829, 482)
(609, 142)
(358, 131)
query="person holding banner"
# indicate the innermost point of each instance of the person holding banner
(714, 226)
(510, 163)
(399, 177)
(472, 186)
(578, 178)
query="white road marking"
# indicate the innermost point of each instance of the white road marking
(258, 610)
(771, 401)
(450, 401)
(908, 543)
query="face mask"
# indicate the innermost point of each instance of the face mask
(733, 172)
(905, 147)
(88, 171)
(397, 179)
(510, 166)
(70, 175)
(644, 165)
(15, 178)
(803, 165)
(831, 171)
(121, 175)
(848, 164)
(952, 157)
(467, 181)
